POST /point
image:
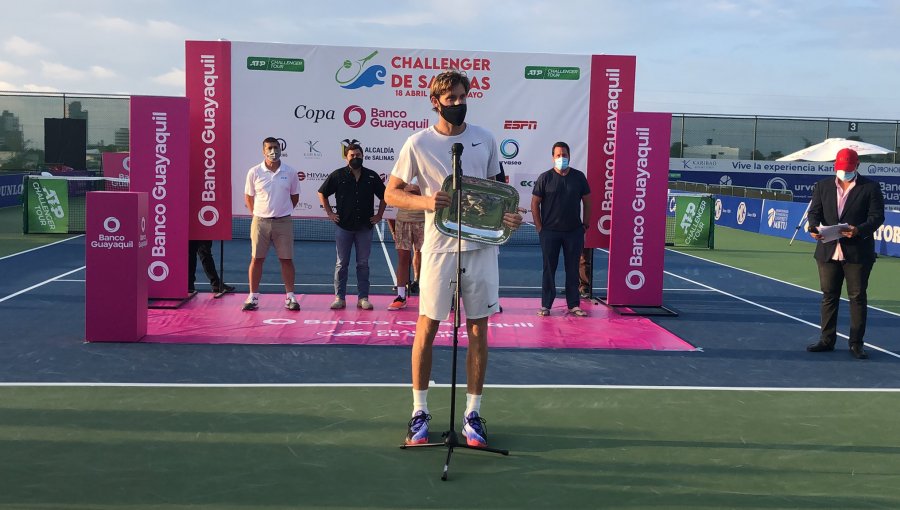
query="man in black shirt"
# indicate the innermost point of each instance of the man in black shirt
(354, 188)
(556, 203)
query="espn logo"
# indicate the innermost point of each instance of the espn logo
(520, 124)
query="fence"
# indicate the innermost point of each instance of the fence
(769, 138)
(693, 135)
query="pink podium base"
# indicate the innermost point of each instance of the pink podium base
(204, 320)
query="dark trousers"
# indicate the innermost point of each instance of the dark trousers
(571, 243)
(585, 270)
(831, 278)
(202, 249)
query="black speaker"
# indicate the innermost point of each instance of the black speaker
(65, 142)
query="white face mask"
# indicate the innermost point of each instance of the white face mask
(846, 175)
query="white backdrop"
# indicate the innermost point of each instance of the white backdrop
(529, 101)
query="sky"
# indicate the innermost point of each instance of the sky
(822, 58)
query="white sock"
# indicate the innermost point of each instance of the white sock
(401, 291)
(289, 295)
(252, 296)
(420, 401)
(473, 403)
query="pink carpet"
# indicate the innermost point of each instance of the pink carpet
(204, 320)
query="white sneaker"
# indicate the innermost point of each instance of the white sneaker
(292, 304)
(364, 304)
(338, 304)
(251, 304)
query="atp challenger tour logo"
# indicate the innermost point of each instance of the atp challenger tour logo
(552, 73)
(353, 75)
(295, 65)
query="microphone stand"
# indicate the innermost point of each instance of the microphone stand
(451, 438)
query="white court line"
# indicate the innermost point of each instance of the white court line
(433, 385)
(40, 284)
(387, 256)
(778, 312)
(773, 279)
(40, 247)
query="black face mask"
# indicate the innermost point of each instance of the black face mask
(356, 163)
(455, 114)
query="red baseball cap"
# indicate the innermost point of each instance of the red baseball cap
(846, 159)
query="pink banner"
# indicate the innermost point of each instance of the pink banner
(159, 166)
(612, 92)
(116, 165)
(208, 72)
(638, 216)
(116, 249)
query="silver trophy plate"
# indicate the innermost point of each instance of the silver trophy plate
(484, 202)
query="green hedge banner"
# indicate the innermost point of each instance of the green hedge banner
(46, 206)
(694, 224)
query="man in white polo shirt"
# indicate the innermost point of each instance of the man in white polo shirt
(271, 193)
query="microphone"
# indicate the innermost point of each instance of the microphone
(457, 151)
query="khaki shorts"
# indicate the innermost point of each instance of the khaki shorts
(269, 231)
(479, 288)
(409, 235)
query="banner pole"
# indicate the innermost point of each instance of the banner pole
(802, 219)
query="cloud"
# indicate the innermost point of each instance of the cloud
(31, 87)
(174, 78)
(5, 85)
(22, 48)
(114, 24)
(8, 70)
(102, 72)
(59, 71)
(153, 28)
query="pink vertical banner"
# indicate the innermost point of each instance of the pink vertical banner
(116, 165)
(612, 92)
(208, 86)
(116, 249)
(159, 166)
(638, 238)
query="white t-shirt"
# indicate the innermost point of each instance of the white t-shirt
(271, 191)
(426, 156)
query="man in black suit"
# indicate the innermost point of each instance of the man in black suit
(851, 199)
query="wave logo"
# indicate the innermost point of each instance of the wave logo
(777, 183)
(354, 116)
(771, 217)
(353, 75)
(509, 148)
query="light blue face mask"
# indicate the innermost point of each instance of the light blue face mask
(561, 163)
(846, 175)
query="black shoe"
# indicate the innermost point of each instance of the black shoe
(224, 289)
(858, 352)
(819, 347)
(413, 287)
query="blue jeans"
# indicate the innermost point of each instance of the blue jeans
(571, 243)
(344, 241)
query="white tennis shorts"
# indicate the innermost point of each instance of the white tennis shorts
(479, 288)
